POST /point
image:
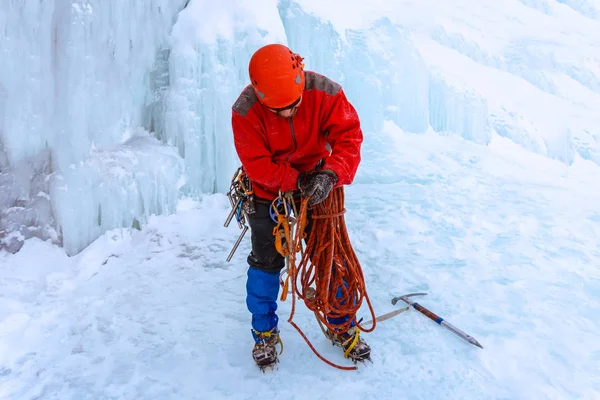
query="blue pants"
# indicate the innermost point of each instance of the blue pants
(262, 290)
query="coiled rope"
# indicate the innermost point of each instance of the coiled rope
(326, 266)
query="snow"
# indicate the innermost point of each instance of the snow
(478, 185)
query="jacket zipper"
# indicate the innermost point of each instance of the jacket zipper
(293, 138)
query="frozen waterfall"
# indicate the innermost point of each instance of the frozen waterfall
(109, 111)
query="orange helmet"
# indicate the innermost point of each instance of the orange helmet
(277, 75)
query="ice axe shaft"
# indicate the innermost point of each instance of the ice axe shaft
(389, 315)
(434, 317)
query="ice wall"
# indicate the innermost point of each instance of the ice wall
(116, 186)
(378, 66)
(87, 85)
(526, 70)
(208, 68)
(385, 75)
(382, 70)
(76, 78)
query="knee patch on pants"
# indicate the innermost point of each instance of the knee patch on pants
(264, 255)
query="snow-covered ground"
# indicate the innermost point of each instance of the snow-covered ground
(479, 185)
(505, 243)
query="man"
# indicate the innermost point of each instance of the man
(293, 130)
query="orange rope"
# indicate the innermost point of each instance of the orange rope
(328, 263)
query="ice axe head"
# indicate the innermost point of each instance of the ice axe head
(404, 298)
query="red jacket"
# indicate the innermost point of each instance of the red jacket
(274, 150)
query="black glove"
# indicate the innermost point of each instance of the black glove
(317, 185)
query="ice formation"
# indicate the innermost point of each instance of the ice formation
(76, 78)
(82, 78)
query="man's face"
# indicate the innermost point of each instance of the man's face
(288, 112)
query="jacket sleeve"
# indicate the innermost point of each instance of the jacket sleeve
(344, 136)
(257, 159)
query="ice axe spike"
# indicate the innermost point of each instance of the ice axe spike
(432, 316)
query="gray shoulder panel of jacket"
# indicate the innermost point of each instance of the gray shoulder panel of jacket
(316, 81)
(245, 101)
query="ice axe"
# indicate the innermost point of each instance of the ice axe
(435, 318)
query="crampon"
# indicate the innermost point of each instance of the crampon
(265, 353)
(354, 347)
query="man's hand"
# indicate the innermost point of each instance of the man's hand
(317, 185)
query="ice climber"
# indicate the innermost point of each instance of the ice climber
(293, 130)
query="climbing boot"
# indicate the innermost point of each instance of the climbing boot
(355, 348)
(264, 352)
